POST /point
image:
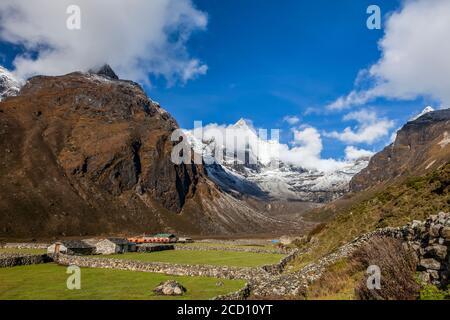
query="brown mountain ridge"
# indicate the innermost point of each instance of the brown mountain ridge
(87, 154)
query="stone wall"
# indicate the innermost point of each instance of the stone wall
(147, 248)
(13, 260)
(430, 240)
(241, 294)
(249, 274)
(281, 266)
(31, 245)
(231, 248)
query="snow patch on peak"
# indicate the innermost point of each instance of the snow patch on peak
(424, 111)
(242, 124)
(9, 85)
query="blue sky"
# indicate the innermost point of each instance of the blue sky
(266, 59)
(269, 59)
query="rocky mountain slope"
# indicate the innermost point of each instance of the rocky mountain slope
(421, 146)
(88, 154)
(286, 182)
(9, 85)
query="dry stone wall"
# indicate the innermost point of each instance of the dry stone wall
(146, 248)
(249, 274)
(281, 266)
(30, 245)
(430, 240)
(230, 248)
(241, 294)
(13, 260)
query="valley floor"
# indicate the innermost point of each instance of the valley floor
(215, 258)
(48, 282)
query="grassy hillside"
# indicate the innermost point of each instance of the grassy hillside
(412, 199)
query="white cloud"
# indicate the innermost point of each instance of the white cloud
(352, 153)
(136, 37)
(305, 151)
(369, 129)
(415, 57)
(291, 120)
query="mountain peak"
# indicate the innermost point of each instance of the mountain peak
(242, 124)
(424, 111)
(105, 70)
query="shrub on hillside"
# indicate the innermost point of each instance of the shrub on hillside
(431, 292)
(398, 270)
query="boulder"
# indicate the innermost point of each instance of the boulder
(169, 288)
(424, 277)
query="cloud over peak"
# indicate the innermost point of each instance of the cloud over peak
(305, 150)
(369, 128)
(136, 37)
(414, 57)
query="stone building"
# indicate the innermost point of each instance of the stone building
(113, 246)
(92, 246)
(71, 247)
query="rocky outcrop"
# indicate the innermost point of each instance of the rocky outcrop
(421, 146)
(105, 71)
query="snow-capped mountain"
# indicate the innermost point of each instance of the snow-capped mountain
(424, 112)
(257, 174)
(9, 85)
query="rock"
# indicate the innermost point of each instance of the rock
(434, 275)
(219, 284)
(416, 224)
(429, 264)
(105, 71)
(170, 288)
(445, 233)
(435, 230)
(436, 251)
(424, 277)
(178, 291)
(286, 240)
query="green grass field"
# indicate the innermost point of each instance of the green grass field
(215, 258)
(25, 251)
(48, 282)
(228, 245)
